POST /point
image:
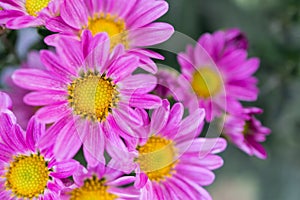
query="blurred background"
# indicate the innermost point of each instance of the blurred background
(273, 30)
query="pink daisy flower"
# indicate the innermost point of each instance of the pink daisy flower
(130, 23)
(101, 182)
(246, 132)
(171, 162)
(89, 94)
(17, 14)
(28, 170)
(22, 111)
(219, 72)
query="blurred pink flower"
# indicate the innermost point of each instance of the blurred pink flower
(246, 132)
(219, 72)
(22, 111)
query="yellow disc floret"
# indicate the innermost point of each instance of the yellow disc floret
(157, 158)
(92, 96)
(35, 6)
(92, 189)
(112, 25)
(27, 176)
(206, 82)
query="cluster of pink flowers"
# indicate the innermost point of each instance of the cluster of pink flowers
(98, 91)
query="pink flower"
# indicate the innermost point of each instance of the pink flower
(219, 72)
(246, 132)
(28, 169)
(88, 94)
(101, 181)
(171, 161)
(17, 14)
(130, 23)
(22, 111)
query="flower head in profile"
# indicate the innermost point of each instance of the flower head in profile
(17, 14)
(171, 161)
(89, 94)
(29, 170)
(101, 182)
(130, 23)
(219, 72)
(246, 132)
(22, 111)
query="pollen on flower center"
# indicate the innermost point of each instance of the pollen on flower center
(92, 96)
(27, 176)
(157, 158)
(92, 189)
(112, 25)
(206, 82)
(246, 128)
(35, 6)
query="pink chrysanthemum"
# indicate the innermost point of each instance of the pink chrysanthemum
(171, 162)
(219, 72)
(17, 14)
(28, 170)
(101, 182)
(88, 93)
(22, 111)
(246, 132)
(130, 23)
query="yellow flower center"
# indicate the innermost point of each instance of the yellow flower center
(206, 82)
(35, 6)
(92, 96)
(246, 128)
(27, 176)
(157, 158)
(92, 189)
(113, 26)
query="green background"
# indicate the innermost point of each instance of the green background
(273, 30)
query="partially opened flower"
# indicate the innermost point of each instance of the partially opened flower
(22, 111)
(171, 161)
(246, 132)
(17, 14)
(29, 170)
(130, 23)
(219, 72)
(89, 94)
(101, 182)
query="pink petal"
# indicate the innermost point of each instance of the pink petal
(151, 34)
(52, 113)
(94, 146)
(146, 101)
(147, 13)
(74, 13)
(160, 117)
(35, 79)
(34, 132)
(122, 67)
(65, 169)
(43, 98)
(68, 142)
